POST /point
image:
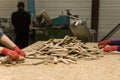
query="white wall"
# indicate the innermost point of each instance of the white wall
(109, 11)
(109, 18)
(6, 9)
(54, 8)
(8, 6)
(109, 15)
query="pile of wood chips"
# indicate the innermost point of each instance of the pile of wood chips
(67, 50)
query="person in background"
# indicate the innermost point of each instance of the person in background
(21, 21)
(12, 49)
(110, 45)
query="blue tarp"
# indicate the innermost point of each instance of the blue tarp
(63, 21)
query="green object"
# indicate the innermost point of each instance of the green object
(43, 35)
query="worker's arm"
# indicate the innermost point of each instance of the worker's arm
(110, 45)
(110, 48)
(7, 42)
(13, 19)
(104, 43)
(108, 42)
(13, 54)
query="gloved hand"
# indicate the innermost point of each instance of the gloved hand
(13, 54)
(104, 43)
(110, 48)
(19, 51)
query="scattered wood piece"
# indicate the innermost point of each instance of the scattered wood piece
(40, 62)
(64, 61)
(56, 60)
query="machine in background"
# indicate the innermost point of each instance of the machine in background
(77, 26)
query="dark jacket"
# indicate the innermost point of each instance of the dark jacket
(21, 20)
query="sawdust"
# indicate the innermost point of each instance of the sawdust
(105, 68)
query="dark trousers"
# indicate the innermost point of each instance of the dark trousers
(22, 39)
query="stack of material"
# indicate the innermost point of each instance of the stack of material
(67, 50)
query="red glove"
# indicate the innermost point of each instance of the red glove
(110, 48)
(19, 51)
(104, 43)
(13, 54)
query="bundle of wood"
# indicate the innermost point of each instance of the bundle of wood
(67, 50)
